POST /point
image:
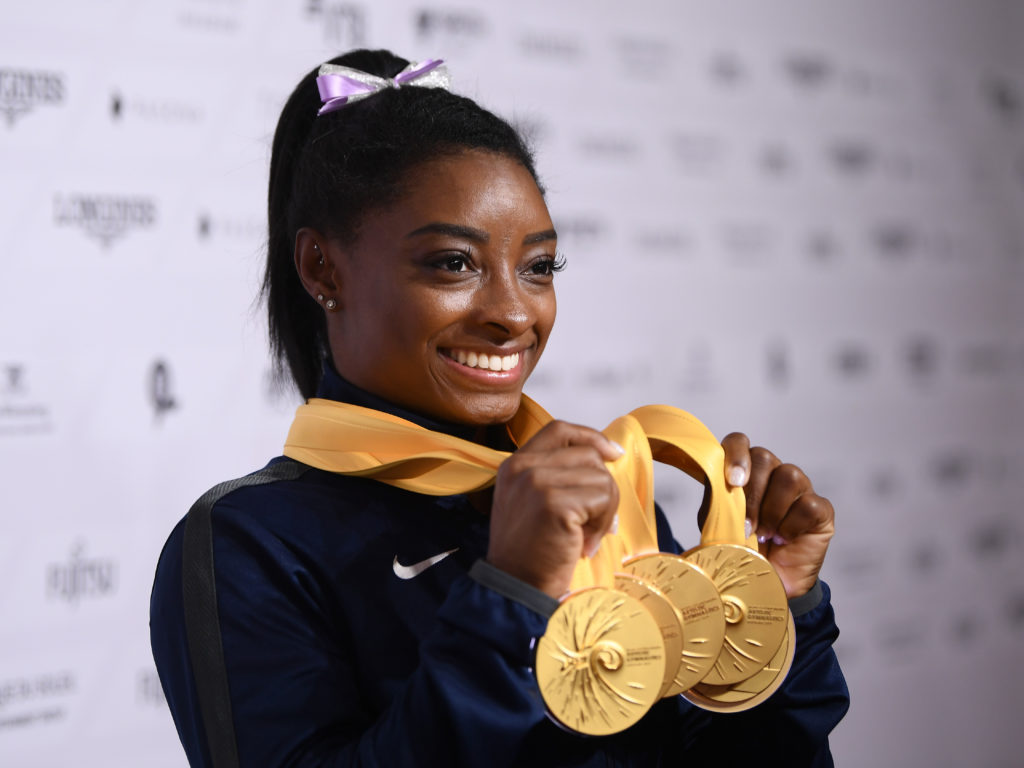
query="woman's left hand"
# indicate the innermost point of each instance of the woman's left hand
(793, 524)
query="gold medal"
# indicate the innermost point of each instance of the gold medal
(601, 663)
(664, 613)
(752, 691)
(754, 605)
(696, 597)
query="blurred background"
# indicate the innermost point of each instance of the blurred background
(798, 219)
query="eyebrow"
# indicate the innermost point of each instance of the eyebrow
(477, 235)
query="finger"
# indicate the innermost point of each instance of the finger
(737, 458)
(811, 513)
(786, 485)
(572, 456)
(601, 521)
(561, 434)
(762, 462)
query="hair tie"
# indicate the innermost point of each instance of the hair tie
(340, 86)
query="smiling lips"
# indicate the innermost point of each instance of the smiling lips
(482, 361)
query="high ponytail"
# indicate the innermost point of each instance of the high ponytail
(328, 172)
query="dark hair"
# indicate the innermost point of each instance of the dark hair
(328, 172)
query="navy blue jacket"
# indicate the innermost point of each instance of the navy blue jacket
(333, 659)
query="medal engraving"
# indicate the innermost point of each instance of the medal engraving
(666, 616)
(695, 596)
(601, 663)
(754, 605)
(748, 693)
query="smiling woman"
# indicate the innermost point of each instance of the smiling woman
(376, 595)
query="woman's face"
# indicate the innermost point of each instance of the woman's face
(446, 300)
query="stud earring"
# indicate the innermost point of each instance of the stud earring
(320, 298)
(316, 248)
(331, 304)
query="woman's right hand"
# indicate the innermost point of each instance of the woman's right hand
(553, 501)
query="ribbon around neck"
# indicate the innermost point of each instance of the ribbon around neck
(351, 440)
(340, 86)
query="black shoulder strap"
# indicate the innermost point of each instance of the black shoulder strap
(202, 623)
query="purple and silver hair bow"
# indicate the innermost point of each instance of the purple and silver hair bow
(340, 86)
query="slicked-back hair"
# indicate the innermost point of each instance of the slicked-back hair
(329, 172)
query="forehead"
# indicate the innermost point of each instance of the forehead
(471, 184)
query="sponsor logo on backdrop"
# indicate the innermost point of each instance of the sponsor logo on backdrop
(951, 469)
(1015, 610)
(989, 540)
(647, 57)
(81, 577)
(664, 243)
(777, 160)
(20, 412)
(727, 68)
(697, 154)
(104, 217)
(852, 157)
(551, 46)
(581, 228)
(823, 247)
(148, 691)
(894, 240)
(344, 24)
(613, 378)
(160, 395)
(748, 242)
(853, 360)
(450, 24)
(609, 147)
(965, 628)
(23, 90)
(213, 16)
(924, 557)
(210, 227)
(150, 110)
(807, 70)
(1004, 99)
(922, 358)
(35, 699)
(777, 364)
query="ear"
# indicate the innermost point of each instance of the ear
(314, 263)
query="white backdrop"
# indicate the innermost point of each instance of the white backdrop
(798, 219)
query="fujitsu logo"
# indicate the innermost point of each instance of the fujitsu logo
(81, 577)
(105, 217)
(22, 90)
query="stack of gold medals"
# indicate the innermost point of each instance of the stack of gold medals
(712, 624)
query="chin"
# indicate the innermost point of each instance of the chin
(492, 411)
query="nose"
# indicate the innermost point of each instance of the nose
(506, 308)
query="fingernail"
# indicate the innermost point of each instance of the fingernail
(778, 540)
(748, 528)
(737, 476)
(615, 524)
(593, 549)
(621, 451)
(761, 538)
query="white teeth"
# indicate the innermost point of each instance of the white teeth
(486, 362)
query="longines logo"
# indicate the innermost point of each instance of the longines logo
(81, 577)
(344, 24)
(104, 217)
(609, 147)
(581, 227)
(20, 414)
(434, 22)
(667, 243)
(23, 90)
(160, 395)
(166, 111)
(20, 696)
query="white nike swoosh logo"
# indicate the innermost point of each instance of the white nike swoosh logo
(414, 570)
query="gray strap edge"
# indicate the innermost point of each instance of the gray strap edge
(806, 603)
(202, 622)
(505, 584)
